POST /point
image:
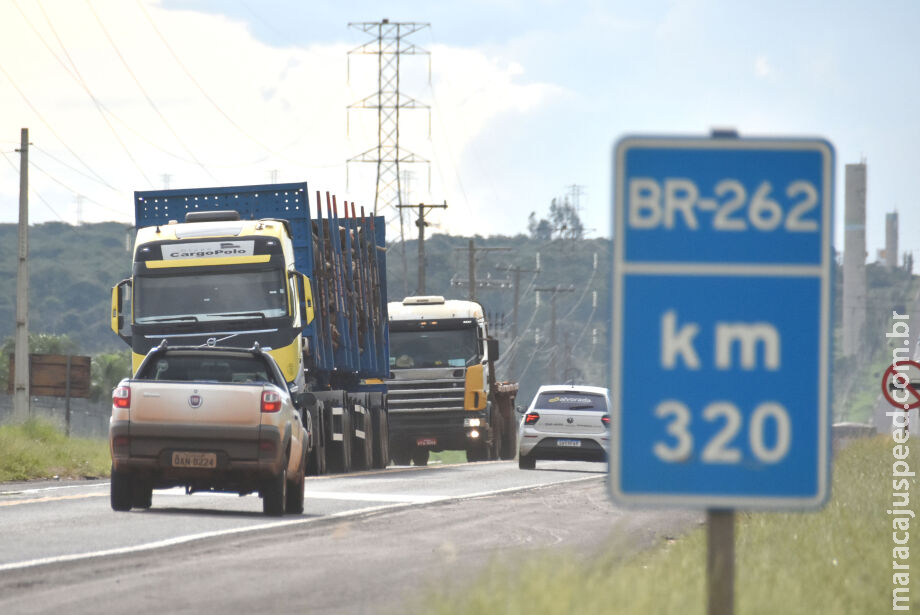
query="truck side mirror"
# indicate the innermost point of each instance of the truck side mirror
(493, 348)
(121, 296)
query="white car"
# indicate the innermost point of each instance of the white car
(565, 422)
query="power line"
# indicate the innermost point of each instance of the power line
(72, 168)
(144, 92)
(32, 190)
(49, 127)
(204, 92)
(65, 186)
(107, 113)
(79, 78)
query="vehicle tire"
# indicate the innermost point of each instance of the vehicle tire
(476, 453)
(420, 456)
(400, 453)
(341, 457)
(293, 503)
(121, 490)
(381, 439)
(527, 462)
(364, 448)
(274, 494)
(142, 494)
(317, 460)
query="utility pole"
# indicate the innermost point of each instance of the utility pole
(472, 249)
(518, 270)
(21, 409)
(555, 290)
(421, 224)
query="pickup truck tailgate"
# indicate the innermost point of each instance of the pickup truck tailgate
(174, 416)
(204, 405)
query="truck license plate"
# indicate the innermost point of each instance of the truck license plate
(426, 441)
(194, 460)
(568, 443)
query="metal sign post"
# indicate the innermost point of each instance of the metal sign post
(721, 325)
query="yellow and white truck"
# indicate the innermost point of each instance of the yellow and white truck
(443, 391)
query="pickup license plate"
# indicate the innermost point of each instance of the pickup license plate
(426, 441)
(194, 460)
(568, 443)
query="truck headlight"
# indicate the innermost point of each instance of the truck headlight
(472, 422)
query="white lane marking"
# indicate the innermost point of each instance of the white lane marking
(374, 497)
(43, 489)
(178, 540)
(346, 496)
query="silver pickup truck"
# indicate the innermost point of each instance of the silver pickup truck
(208, 419)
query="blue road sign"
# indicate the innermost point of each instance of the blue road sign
(721, 322)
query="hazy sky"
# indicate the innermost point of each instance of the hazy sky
(526, 98)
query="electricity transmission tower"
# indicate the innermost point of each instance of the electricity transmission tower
(389, 43)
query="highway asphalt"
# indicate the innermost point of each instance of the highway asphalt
(366, 543)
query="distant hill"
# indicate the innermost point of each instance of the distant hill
(72, 270)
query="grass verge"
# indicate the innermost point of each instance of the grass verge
(448, 457)
(38, 449)
(838, 560)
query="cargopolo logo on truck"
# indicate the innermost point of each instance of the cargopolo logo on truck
(210, 249)
(194, 400)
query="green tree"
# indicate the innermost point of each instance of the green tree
(107, 370)
(563, 222)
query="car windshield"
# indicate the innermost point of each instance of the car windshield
(210, 296)
(190, 367)
(436, 348)
(570, 400)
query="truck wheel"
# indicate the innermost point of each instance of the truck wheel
(381, 439)
(294, 501)
(121, 491)
(400, 453)
(317, 463)
(420, 456)
(364, 448)
(527, 462)
(274, 494)
(476, 453)
(143, 494)
(340, 458)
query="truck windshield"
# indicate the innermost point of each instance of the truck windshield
(210, 296)
(437, 348)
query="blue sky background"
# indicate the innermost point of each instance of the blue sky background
(527, 98)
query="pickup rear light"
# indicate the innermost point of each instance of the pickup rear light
(121, 397)
(531, 418)
(606, 420)
(271, 401)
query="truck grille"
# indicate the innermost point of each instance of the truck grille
(444, 394)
